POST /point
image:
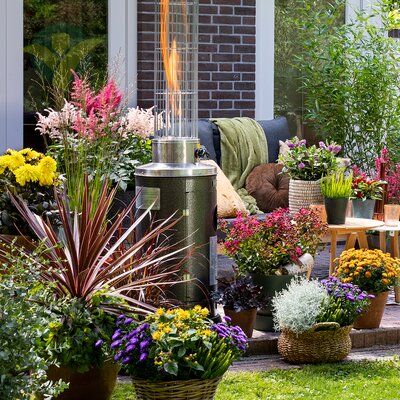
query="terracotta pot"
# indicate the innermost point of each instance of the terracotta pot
(245, 319)
(97, 383)
(371, 318)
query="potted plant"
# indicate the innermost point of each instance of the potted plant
(372, 271)
(241, 299)
(336, 189)
(315, 319)
(93, 133)
(177, 353)
(22, 321)
(30, 175)
(273, 250)
(364, 192)
(93, 277)
(306, 166)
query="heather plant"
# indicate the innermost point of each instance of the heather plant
(306, 303)
(177, 344)
(337, 185)
(265, 245)
(30, 175)
(309, 163)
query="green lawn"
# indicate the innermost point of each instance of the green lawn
(349, 380)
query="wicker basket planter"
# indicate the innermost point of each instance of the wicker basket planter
(192, 389)
(316, 346)
(304, 193)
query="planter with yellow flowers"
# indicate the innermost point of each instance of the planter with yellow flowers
(372, 271)
(30, 175)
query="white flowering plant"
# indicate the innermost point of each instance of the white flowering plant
(306, 303)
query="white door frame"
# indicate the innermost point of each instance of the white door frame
(122, 49)
(11, 74)
(265, 24)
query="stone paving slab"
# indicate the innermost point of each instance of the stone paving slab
(274, 361)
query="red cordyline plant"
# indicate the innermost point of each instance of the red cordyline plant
(89, 257)
(264, 246)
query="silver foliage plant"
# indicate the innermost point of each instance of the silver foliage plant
(296, 308)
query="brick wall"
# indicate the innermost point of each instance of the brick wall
(226, 57)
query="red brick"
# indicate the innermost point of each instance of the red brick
(245, 11)
(225, 67)
(248, 40)
(225, 29)
(226, 39)
(218, 95)
(225, 76)
(228, 2)
(225, 85)
(245, 105)
(244, 49)
(248, 67)
(225, 19)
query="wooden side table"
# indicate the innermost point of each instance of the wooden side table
(394, 238)
(356, 229)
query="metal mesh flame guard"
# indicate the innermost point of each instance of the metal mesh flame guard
(175, 181)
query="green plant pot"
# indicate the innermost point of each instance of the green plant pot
(271, 284)
(336, 210)
(363, 209)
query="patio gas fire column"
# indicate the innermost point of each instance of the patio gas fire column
(175, 180)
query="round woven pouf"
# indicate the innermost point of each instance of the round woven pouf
(192, 389)
(315, 346)
(304, 193)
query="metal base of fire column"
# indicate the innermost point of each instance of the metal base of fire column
(189, 191)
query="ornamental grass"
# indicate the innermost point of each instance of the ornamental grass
(371, 270)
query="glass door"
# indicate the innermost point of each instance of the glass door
(60, 36)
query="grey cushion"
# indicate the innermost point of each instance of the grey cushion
(275, 130)
(206, 137)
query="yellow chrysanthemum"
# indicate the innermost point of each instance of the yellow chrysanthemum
(48, 165)
(30, 154)
(14, 160)
(27, 173)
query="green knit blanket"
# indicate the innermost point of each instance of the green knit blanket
(243, 147)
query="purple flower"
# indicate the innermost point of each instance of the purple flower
(118, 356)
(98, 343)
(291, 145)
(116, 344)
(126, 360)
(143, 357)
(117, 334)
(128, 321)
(301, 165)
(227, 319)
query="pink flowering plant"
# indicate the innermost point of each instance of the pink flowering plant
(265, 246)
(309, 163)
(93, 133)
(392, 175)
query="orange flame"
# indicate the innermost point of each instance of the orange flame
(170, 57)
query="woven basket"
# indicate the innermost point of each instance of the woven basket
(304, 193)
(192, 389)
(315, 345)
